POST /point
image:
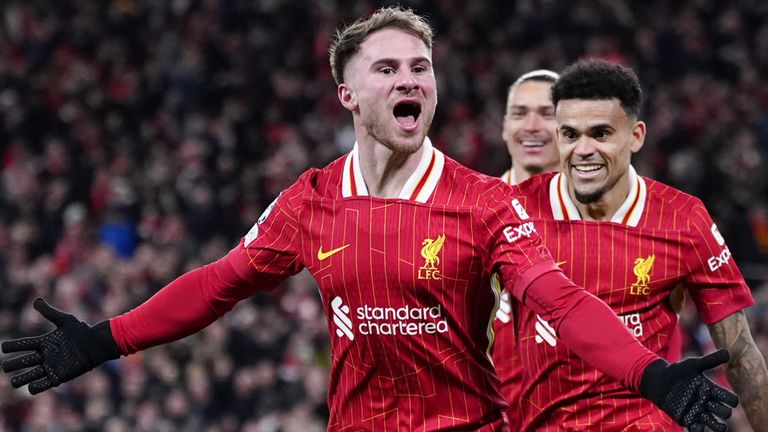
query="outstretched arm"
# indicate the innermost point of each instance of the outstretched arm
(679, 389)
(746, 371)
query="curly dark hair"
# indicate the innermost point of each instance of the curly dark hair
(598, 79)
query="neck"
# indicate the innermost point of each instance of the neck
(385, 171)
(603, 209)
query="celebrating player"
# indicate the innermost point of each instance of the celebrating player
(403, 243)
(631, 241)
(529, 132)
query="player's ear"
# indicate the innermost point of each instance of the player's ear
(638, 136)
(347, 97)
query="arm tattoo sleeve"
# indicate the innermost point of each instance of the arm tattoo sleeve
(746, 371)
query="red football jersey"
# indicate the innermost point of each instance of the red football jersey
(658, 239)
(406, 288)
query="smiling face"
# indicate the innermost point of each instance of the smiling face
(529, 127)
(390, 89)
(596, 139)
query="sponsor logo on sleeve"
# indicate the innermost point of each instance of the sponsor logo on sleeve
(515, 233)
(519, 209)
(253, 233)
(716, 261)
(716, 234)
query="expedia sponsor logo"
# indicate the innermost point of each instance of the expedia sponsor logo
(515, 233)
(402, 321)
(717, 261)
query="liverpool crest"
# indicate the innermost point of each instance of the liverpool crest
(429, 251)
(642, 270)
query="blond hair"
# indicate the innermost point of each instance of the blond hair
(347, 40)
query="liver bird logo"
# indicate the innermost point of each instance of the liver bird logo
(430, 250)
(643, 268)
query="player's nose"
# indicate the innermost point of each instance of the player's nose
(407, 82)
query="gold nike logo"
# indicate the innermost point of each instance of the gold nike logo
(323, 255)
(559, 263)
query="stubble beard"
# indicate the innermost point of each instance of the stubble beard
(405, 145)
(597, 194)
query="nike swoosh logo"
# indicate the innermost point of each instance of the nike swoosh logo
(323, 255)
(560, 263)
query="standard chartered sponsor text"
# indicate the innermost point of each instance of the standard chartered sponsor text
(406, 320)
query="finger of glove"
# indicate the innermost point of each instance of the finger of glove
(712, 360)
(50, 313)
(718, 409)
(27, 377)
(21, 362)
(22, 344)
(696, 427)
(711, 422)
(723, 395)
(40, 386)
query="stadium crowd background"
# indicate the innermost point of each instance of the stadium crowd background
(139, 139)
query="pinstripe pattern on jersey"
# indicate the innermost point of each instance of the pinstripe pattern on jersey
(558, 389)
(420, 381)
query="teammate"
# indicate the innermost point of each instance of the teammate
(529, 126)
(630, 241)
(529, 132)
(402, 241)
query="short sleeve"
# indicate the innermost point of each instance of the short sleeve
(513, 244)
(714, 281)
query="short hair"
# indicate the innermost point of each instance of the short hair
(542, 75)
(347, 41)
(598, 80)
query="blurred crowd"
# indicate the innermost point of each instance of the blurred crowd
(140, 139)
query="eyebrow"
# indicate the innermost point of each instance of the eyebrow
(393, 61)
(589, 129)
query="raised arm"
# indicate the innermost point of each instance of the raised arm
(746, 371)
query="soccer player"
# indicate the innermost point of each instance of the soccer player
(529, 126)
(403, 243)
(529, 132)
(630, 241)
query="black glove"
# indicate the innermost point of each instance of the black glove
(71, 350)
(690, 398)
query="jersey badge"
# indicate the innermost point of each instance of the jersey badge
(429, 251)
(642, 269)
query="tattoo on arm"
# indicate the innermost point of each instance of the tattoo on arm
(746, 371)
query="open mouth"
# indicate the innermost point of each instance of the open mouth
(407, 114)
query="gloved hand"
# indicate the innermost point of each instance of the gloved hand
(67, 352)
(690, 398)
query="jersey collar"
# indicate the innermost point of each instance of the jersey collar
(629, 213)
(419, 186)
